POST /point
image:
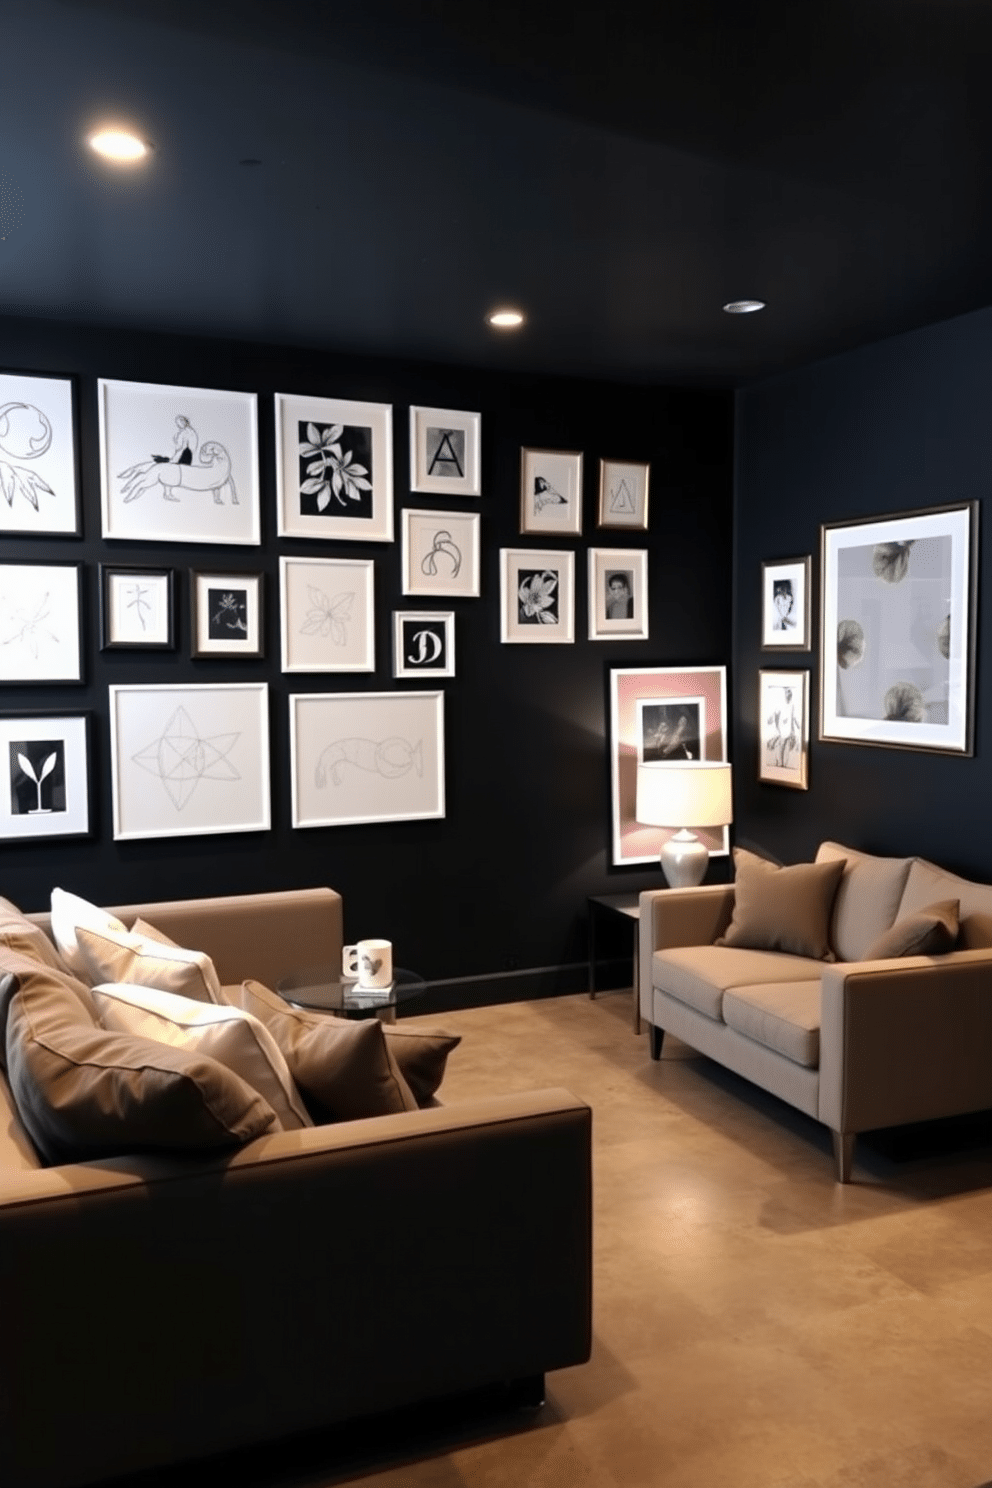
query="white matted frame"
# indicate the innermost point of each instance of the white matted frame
(327, 614)
(137, 608)
(783, 728)
(618, 594)
(178, 464)
(445, 452)
(441, 553)
(785, 605)
(45, 766)
(188, 759)
(366, 757)
(537, 596)
(623, 494)
(670, 729)
(226, 614)
(423, 643)
(39, 488)
(334, 468)
(40, 622)
(551, 492)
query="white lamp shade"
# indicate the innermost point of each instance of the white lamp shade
(691, 793)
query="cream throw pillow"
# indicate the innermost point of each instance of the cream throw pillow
(123, 956)
(69, 912)
(782, 909)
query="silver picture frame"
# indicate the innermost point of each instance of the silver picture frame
(623, 494)
(786, 606)
(783, 728)
(551, 492)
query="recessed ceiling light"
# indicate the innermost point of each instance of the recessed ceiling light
(505, 320)
(119, 145)
(743, 307)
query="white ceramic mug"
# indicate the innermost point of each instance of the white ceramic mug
(370, 961)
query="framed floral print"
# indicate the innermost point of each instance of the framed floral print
(137, 608)
(537, 602)
(226, 614)
(40, 622)
(39, 495)
(334, 469)
(45, 763)
(328, 614)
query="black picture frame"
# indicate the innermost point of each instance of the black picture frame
(120, 632)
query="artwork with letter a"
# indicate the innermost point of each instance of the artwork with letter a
(444, 451)
(423, 643)
(623, 494)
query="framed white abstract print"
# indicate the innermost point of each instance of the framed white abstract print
(40, 622)
(537, 597)
(137, 608)
(328, 614)
(551, 492)
(44, 759)
(785, 605)
(445, 452)
(423, 643)
(623, 494)
(441, 553)
(334, 469)
(226, 614)
(618, 594)
(38, 475)
(783, 729)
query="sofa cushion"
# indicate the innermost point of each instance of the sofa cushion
(782, 909)
(868, 898)
(975, 932)
(699, 975)
(21, 934)
(68, 913)
(123, 956)
(927, 884)
(929, 932)
(421, 1055)
(784, 1016)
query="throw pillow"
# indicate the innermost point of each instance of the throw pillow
(68, 913)
(122, 956)
(928, 932)
(975, 932)
(18, 933)
(782, 909)
(422, 1056)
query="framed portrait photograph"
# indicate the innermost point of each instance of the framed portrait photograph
(623, 494)
(441, 553)
(137, 608)
(334, 469)
(537, 598)
(45, 765)
(783, 729)
(898, 630)
(445, 452)
(226, 614)
(39, 484)
(551, 491)
(785, 605)
(178, 464)
(661, 713)
(423, 643)
(188, 760)
(327, 614)
(366, 757)
(618, 594)
(40, 622)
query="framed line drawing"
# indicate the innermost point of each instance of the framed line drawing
(445, 452)
(40, 622)
(537, 598)
(327, 614)
(551, 492)
(623, 494)
(178, 464)
(39, 485)
(441, 553)
(897, 636)
(783, 729)
(226, 614)
(137, 608)
(618, 594)
(45, 765)
(785, 605)
(423, 643)
(634, 692)
(366, 757)
(334, 469)
(188, 760)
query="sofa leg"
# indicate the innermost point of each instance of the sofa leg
(656, 1038)
(527, 1393)
(844, 1154)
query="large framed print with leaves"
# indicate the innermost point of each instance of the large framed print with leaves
(38, 483)
(45, 769)
(334, 469)
(40, 622)
(898, 632)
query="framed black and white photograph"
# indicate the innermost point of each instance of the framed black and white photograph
(39, 489)
(445, 452)
(334, 469)
(898, 630)
(623, 494)
(670, 729)
(537, 598)
(783, 729)
(423, 643)
(226, 614)
(551, 492)
(189, 760)
(618, 594)
(366, 757)
(327, 614)
(178, 464)
(137, 608)
(40, 622)
(441, 553)
(45, 767)
(785, 605)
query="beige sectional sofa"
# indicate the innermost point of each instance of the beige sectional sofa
(167, 1306)
(857, 1044)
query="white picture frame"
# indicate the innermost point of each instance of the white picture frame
(137, 608)
(551, 492)
(40, 623)
(45, 762)
(537, 596)
(623, 494)
(423, 643)
(189, 759)
(445, 452)
(366, 757)
(334, 468)
(178, 464)
(327, 614)
(618, 594)
(39, 485)
(226, 614)
(783, 728)
(786, 604)
(441, 553)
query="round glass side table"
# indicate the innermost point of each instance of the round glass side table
(321, 989)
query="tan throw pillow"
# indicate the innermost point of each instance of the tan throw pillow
(422, 1056)
(19, 933)
(928, 932)
(68, 913)
(975, 932)
(123, 956)
(782, 909)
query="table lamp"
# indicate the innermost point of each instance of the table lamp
(691, 793)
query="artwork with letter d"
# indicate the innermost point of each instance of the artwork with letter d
(423, 643)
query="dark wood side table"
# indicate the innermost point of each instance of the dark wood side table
(612, 906)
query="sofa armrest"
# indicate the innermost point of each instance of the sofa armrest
(679, 917)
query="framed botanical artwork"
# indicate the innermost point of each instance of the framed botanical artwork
(40, 622)
(551, 492)
(188, 759)
(226, 614)
(537, 598)
(441, 553)
(661, 713)
(618, 594)
(137, 608)
(623, 494)
(423, 643)
(783, 728)
(785, 605)
(445, 452)
(178, 464)
(898, 631)
(366, 757)
(327, 613)
(45, 762)
(334, 469)
(39, 488)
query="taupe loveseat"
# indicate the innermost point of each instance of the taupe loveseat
(857, 1044)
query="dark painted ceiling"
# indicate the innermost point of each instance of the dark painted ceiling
(618, 171)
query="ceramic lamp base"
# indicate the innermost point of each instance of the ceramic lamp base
(684, 859)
